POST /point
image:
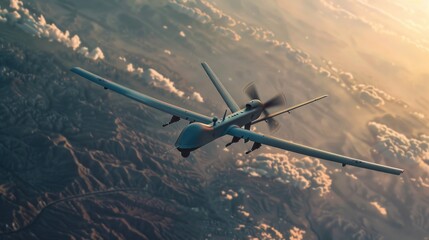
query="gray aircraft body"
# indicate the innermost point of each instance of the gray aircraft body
(203, 129)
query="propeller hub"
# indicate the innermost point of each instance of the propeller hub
(255, 103)
(276, 101)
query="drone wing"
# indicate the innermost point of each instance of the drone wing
(301, 149)
(142, 98)
(221, 89)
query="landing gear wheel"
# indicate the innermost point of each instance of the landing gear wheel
(185, 154)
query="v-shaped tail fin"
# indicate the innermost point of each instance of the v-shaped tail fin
(221, 89)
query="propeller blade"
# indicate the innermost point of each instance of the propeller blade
(278, 100)
(251, 91)
(265, 112)
(273, 124)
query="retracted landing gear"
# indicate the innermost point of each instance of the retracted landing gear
(173, 120)
(255, 146)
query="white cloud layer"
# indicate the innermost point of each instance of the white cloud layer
(303, 173)
(394, 145)
(23, 19)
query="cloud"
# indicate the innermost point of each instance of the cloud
(394, 145)
(229, 195)
(324, 72)
(379, 208)
(3, 15)
(94, 54)
(156, 79)
(303, 173)
(13, 17)
(197, 97)
(268, 232)
(371, 95)
(240, 226)
(227, 32)
(37, 26)
(296, 234)
(194, 13)
(418, 115)
(352, 176)
(139, 70)
(257, 33)
(16, 4)
(130, 67)
(217, 14)
(346, 77)
(204, 13)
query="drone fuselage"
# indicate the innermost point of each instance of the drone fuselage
(203, 129)
(196, 135)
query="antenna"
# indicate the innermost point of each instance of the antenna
(224, 115)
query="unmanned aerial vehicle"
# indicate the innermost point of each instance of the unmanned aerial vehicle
(203, 129)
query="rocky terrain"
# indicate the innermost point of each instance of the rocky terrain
(79, 162)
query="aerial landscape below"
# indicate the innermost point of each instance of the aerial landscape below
(81, 162)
